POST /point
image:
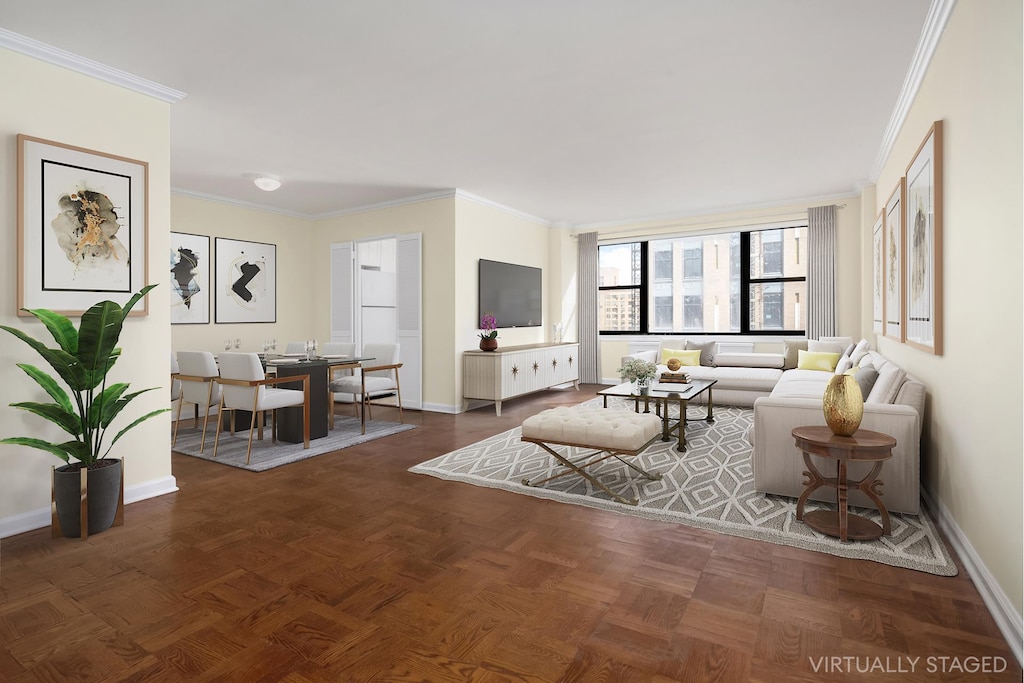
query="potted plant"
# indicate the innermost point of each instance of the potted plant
(82, 359)
(639, 371)
(489, 334)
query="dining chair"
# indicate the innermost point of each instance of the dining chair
(246, 387)
(175, 382)
(336, 351)
(377, 379)
(295, 347)
(198, 375)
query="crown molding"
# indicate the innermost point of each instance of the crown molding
(935, 23)
(412, 199)
(469, 196)
(239, 204)
(54, 55)
(668, 218)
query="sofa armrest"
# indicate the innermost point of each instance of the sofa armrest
(649, 356)
(778, 465)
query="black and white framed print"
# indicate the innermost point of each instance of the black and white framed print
(246, 286)
(190, 279)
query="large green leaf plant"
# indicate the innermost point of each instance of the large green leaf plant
(82, 359)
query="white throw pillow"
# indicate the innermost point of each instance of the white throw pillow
(859, 351)
(843, 365)
(890, 379)
(819, 346)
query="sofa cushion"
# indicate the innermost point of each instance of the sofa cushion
(817, 360)
(707, 351)
(818, 346)
(749, 360)
(743, 379)
(791, 349)
(845, 343)
(802, 384)
(866, 378)
(887, 386)
(860, 351)
(843, 365)
(667, 353)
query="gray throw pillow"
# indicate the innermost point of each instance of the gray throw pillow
(707, 352)
(866, 377)
(792, 350)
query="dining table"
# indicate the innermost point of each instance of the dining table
(320, 370)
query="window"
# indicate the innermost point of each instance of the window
(622, 278)
(663, 264)
(750, 282)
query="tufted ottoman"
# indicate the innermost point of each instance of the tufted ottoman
(613, 433)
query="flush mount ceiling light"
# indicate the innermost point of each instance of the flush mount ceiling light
(266, 183)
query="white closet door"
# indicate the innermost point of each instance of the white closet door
(410, 317)
(342, 293)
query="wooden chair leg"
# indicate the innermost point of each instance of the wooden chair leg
(220, 412)
(206, 419)
(174, 439)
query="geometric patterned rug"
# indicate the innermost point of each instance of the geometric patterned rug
(710, 486)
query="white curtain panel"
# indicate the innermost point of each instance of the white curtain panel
(821, 271)
(586, 245)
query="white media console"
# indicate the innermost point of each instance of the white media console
(516, 370)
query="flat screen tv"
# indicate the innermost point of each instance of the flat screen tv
(510, 293)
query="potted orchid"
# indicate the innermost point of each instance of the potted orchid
(489, 333)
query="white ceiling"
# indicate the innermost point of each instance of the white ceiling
(574, 111)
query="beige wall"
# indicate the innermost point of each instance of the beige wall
(295, 308)
(972, 447)
(848, 262)
(45, 101)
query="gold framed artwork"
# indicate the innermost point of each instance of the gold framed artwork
(894, 255)
(82, 227)
(878, 275)
(924, 244)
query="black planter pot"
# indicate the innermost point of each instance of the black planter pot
(104, 492)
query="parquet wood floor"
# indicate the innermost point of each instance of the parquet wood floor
(346, 567)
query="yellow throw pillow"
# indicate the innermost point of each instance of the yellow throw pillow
(670, 353)
(818, 360)
(691, 358)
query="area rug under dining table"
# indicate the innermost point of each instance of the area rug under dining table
(710, 486)
(267, 455)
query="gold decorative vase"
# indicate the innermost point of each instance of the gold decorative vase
(843, 404)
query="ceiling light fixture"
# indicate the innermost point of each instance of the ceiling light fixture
(266, 183)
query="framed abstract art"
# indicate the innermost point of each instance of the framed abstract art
(924, 244)
(82, 227)
(894, 255)
(190, 279)
(246, 281)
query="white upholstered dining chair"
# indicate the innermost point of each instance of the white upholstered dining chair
(246, 387)
(198, 377)
(376, 379)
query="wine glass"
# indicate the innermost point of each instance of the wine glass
(238, 343)
(227, 344)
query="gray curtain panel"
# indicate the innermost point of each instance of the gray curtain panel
(587, 271)
(821, 272)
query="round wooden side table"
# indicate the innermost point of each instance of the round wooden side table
(863, 446)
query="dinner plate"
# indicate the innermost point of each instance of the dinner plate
(294, 355)
(335, 356)
(283, 361)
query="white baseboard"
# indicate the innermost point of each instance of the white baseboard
(1010, 624)
(441, 408)
(40, 518)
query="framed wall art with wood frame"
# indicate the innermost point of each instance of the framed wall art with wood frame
(190, 279)
(246, 287)
(924, 244)
(82, 227)
(894, 255)
(878, 275)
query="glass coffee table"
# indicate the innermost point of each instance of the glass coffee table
(663, 395)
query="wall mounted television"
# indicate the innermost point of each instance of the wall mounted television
(511, 293)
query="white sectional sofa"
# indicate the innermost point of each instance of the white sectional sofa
(784, 399)
(894, 406)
